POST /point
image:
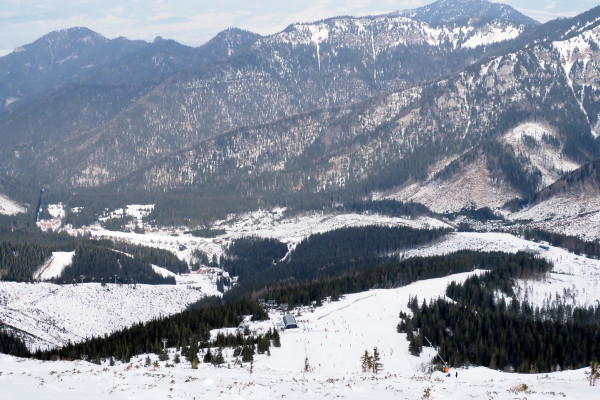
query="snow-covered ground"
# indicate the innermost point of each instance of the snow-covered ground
(53, 267)
(56, 210)
(9, 207)
(332, 339)
(573, 214)
(53, 315)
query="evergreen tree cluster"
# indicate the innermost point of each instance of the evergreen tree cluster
(190, 328)
(151, 255)
(18, 261)
(392, 208)
(259, 263)
(10, 344)
(387, 273)
(482, 328)
(248, 257)
(99, 263)
(572, 243)
(371, 363)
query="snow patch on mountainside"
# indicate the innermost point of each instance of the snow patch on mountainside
(492, 34)
(471, 187)
(10, 207)
(574, 213)
(56, 210)
(580, 66)
(541, 146)
(387, 31)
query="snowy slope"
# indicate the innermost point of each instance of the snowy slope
(332, 338)
(54, 315)
(473, 186)
(547, 158)
(572, 213)
(9, 207)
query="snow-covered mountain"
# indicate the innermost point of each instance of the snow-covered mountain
(171, 97)
(445, 11)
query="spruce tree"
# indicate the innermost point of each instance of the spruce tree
(276, 338)
(376, 366)
(367, 362)
(208, 356)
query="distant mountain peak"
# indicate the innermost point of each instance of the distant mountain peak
(74, 34)
(448, 11)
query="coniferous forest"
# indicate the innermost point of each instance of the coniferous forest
(487, 325)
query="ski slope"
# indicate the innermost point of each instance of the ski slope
(332, 338)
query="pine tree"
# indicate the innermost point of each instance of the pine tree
(208, 356)
(367, 362)
(594, 372)
(376, 366)
(218, 359)
(276, 338)
(248, 353)
(306, 365)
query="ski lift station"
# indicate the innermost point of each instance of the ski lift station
(289, 322)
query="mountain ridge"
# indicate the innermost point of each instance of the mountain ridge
(351, 106)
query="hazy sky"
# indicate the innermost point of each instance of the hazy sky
(193, 22)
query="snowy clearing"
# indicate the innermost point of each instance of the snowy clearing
(54, 267)
(266, 224)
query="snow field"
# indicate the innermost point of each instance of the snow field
(53, 315)
(333, 338)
